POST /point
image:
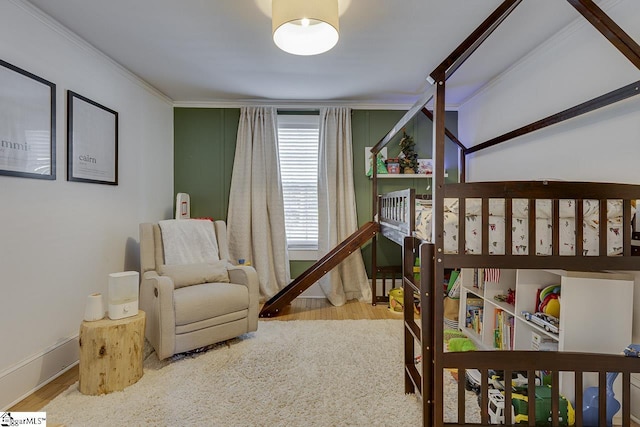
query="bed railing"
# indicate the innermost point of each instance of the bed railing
(545, 205)
(556, 364)
(397, 214)
(424, 337)
(575, 194)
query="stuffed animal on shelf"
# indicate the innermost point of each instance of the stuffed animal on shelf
(549, 300)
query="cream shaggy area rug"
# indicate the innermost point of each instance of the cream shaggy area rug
(299, 373)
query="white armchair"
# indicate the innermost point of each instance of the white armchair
(193, 305)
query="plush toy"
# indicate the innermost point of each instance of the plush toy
(590, 403)
(449, 333)
(549, 300)
(461, 344)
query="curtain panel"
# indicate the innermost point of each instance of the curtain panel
(337, 218)
(256, 228)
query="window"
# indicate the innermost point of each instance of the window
(298, 137)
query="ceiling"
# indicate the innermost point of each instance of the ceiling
(221, 51)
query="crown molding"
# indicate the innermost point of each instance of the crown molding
(561, 35)
(299, 105)
(87, 47)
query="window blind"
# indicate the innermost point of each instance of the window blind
(298, 137)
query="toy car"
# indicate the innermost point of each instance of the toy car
(545, 321)
(519, 408)
(496, 407)
(519, 380)
(473, 380)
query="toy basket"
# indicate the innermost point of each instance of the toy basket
(396, 301)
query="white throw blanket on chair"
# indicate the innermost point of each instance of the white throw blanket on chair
(188, 241)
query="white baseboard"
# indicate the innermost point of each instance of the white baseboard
(23, 379)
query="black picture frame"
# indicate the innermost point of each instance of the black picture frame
(27, 124)
(92, 141)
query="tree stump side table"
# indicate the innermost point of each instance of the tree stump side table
(111, 354)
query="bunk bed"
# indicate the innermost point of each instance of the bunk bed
(587, 226)
(397, 223)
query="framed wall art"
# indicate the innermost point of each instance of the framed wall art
(27, 124)
(92, 141)
(425, 166)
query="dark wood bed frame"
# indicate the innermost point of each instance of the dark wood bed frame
(426, 335)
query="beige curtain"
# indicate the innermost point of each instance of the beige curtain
(255, 218)
(337, 217)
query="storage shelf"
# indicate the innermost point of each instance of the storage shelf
(582, 328)
(508, 308)
(555, 337)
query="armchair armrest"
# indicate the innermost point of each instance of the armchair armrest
(156, 299)
(247, 275)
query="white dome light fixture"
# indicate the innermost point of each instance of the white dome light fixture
(308, 27)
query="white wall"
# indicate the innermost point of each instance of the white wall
(578, 64)
(59, 240)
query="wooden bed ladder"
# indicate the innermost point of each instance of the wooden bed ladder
(338, 254)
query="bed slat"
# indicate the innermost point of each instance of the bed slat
(555, 227)
(579, 227)
(602, 232)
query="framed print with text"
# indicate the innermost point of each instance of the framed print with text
(92, 141)
(27, 124)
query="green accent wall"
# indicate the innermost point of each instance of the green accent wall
(204, 149)
(368, 128)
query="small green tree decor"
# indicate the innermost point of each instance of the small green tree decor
(408, 156)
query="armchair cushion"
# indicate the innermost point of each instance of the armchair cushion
(191, 306)
(195, 304)
(195, 274)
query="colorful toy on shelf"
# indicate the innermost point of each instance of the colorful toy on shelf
(509, 297)
(548, 300)
(632, 350)
(546, 321)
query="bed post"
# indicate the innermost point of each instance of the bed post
(428, 302)
(438, 241)
(375, 212)
(462, 166)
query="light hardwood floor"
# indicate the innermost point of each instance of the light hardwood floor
(300, 309)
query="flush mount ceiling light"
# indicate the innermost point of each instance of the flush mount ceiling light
(305, 27)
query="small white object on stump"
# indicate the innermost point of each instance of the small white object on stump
(111, 353)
